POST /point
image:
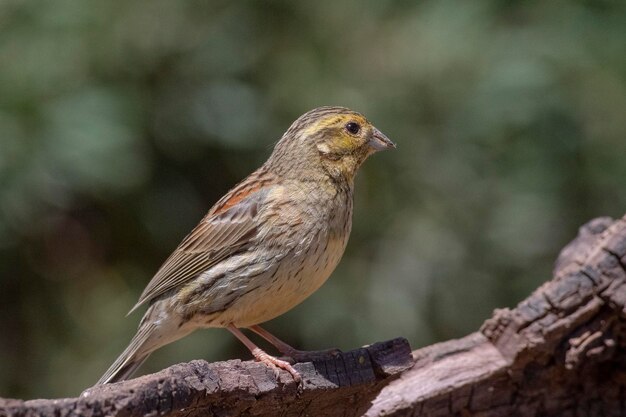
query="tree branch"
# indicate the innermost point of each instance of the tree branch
(560, 352)
(345, 383)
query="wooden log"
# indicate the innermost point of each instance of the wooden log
(560, 352)
(345, 383)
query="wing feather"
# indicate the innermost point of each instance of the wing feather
(228, 228)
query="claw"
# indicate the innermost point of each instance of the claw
(276, 363)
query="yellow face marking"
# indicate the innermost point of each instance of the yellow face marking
(334, 120)
(343, 140)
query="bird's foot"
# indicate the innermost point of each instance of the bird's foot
(276, 364)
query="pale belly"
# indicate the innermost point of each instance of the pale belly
(294, 279)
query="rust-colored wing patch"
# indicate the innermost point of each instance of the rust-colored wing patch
(250, 185)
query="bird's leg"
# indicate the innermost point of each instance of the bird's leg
(285, 349)
(261, 356)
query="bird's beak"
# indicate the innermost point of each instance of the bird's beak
(380, 142)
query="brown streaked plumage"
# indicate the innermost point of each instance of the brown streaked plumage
(265, 246)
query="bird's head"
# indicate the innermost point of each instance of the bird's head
(336, 140)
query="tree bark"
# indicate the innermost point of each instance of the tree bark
(560, 352)
(341, 384)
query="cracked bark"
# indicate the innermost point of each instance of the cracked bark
(560, 352)
(345, 383)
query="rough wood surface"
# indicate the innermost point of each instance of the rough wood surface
(344, 384)
(560, 352)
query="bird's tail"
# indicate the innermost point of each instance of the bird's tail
(132, 357)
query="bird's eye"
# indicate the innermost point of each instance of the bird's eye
(353, 128)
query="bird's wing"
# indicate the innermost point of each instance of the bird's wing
(228, 227)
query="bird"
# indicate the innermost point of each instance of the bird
(265, 246)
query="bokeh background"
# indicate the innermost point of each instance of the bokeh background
(121, 122)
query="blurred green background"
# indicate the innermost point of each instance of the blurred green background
(122, 122)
